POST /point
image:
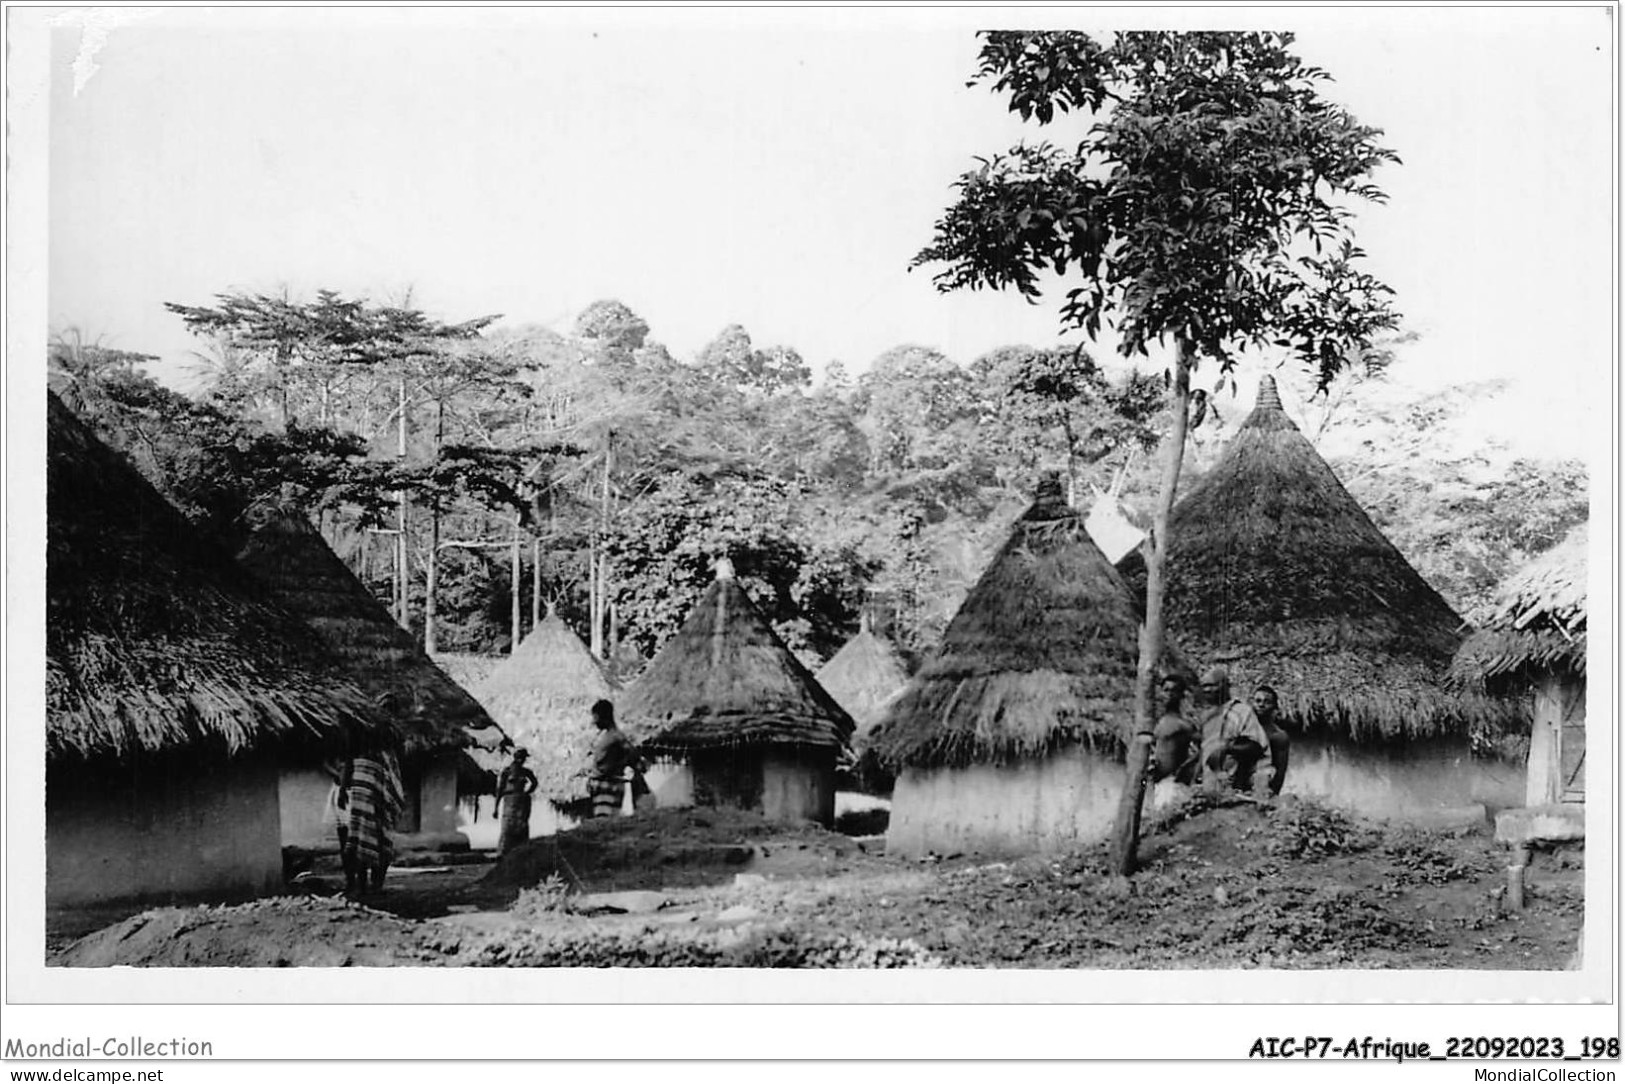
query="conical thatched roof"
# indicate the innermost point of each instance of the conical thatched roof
(467, 670)
(156, 641)
(1042, 653)
(542, 696)
(289, 556)
(864, 677)
(1275, 571)
(726, 679)
(1536, 623)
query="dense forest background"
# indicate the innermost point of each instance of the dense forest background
(474, 474)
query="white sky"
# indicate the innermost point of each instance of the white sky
(775, 170)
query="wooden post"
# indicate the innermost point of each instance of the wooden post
(1545, 782)
(1515, 877)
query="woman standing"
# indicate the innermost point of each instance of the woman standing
(514, 787)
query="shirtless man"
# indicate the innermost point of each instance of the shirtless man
(1174, 744)
(1267, 706)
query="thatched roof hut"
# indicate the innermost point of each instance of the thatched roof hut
(1041, 654)
(725, 679)
(1276, 571)
(1536, 623)
(864, 676)
(289, 556)
(542, 695)
(156, 641)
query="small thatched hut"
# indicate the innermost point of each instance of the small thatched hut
(437, 719)
(542, 696)
(1010, 737)
(175, 693)
(864, 676)
(1533, 642)
(743, 720)
(1275, 571)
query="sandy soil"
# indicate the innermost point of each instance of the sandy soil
(1293, 886)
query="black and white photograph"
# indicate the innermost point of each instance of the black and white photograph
(631, 505)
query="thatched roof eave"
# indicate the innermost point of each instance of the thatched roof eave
(158, 644)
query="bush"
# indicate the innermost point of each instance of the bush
(1308, 830)
(776, 948)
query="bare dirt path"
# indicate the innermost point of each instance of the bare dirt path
(1289, 886)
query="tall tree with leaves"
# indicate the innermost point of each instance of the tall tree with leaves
(1209, 203)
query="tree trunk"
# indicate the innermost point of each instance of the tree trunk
(535, 582)
(402, 616)
(516, 571)
(431, 643)
(600, 589)
(592, 598)
(1126, 832)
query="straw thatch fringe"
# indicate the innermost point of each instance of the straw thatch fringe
(1536, 623)
(289, 556)
(1276, 570)
(1042, 653)
(726, 679)
(542, 696)
(157, 642)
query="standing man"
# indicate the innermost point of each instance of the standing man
(1267, 706)
(612, 754)
(1233, 740)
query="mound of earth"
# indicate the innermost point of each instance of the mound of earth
(671, 848)
(1227, 882)
(285, 931)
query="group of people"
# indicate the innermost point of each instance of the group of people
(613, 755)
(1226, 742)
(364, 804)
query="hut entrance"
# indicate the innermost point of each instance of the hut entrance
(411, 818)
(729, 779)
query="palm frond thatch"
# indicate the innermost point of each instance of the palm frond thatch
(1275, 570)
(542, 696)
(1042, 653)
(1536, 623)
(726, 679)
(865, 676)
(302, 573)
(157, 642)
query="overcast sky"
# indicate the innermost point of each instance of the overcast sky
(769, 169)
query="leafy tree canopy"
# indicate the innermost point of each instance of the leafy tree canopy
(1209, 199)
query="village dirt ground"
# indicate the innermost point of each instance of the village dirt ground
(1222, 886)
